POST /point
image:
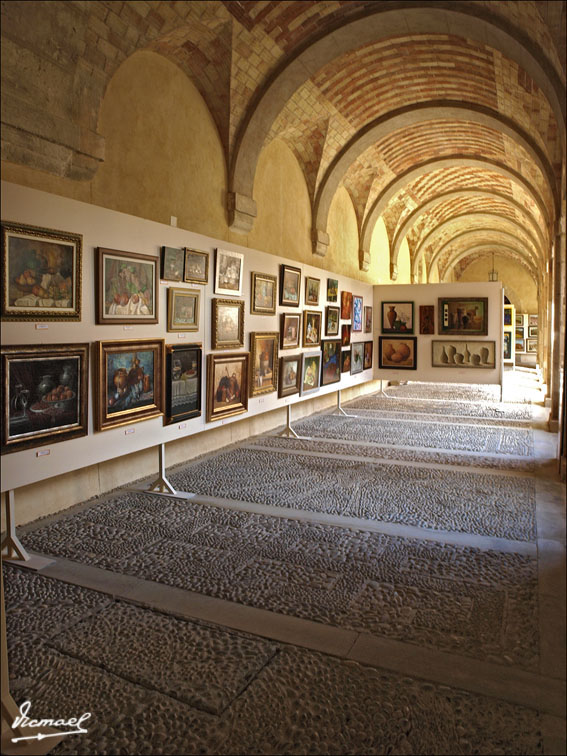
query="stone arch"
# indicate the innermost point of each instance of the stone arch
(374, 23)
(487, 248)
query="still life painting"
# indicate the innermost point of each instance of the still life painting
(368, 354)
(427, 319)
(312, 290)
(310, 372)
(127, 287)
(263, 300)
(290, 282)
(196, 266)
(397, 352)
(464, 354)
(227, 385)
(290, 330)
(228, 323)
(290, 375)
(332, 289)
(332, 321)
(183, 382)
(172, 262)
(264, 358)
(346, 305)
(356, 357)
(311, 328)
(397, 317)
(183, 309)
(331, 362)
(228, 272)
(367, 319)
(464, 316)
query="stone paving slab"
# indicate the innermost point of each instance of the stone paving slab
(484, 410)
(373, 451)
(450, 500)
(496, 440)
(299, 702)
(459, 599)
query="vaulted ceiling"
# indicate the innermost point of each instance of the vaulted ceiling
(445, 119)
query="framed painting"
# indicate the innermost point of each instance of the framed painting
(519, 319)
(228, 272)
(507, 345)
(182, 382)
(331, 362)
(463, 353)
(519, 345)
(41, 273)
(263, 299)
(532, 320)
(290, 330)
(45, 390)
(290, 375)
(508, 311)
(312, 321)
(519, 333)
(183, 309)
(310, 372)
(532, 332)
(312, 286)
(129, 381)
(290, 285)
(127, 287)
(346, 305)
(368, 319)
(332, 290)
(397, 352)
(531, 345)
(332, 321)
(357, 313)
(356, 357)
(227, 385)
(228, 324)
(463, 317)
(427, 319)
(368, 354)
(397, 317)
(264, 360)
(345, 361)
(172, 263)
(345, 334)
(196, 266)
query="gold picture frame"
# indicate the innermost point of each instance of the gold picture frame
(264, 363)
(264, 294)
(196, 266)
(183, 307)
(228, 323)
(227, 385)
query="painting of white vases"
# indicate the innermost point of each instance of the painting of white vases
(463, 354)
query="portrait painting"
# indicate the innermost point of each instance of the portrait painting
(290, 330)
(331, 362)
(182, 382)
(263, 300)
(311, 328)
(357, 313)
(397, 317)
(196, 266)
(183, 309)
(464, 316)
(332, 289)
(507, 345)
(264, 363)
(397, 352)
(345, 334)
(310, 372)
(290, 375)
(127, 287)
(172, 263)
(345, 361)
(332, 321)
(290, 285)
(227, 324)
(45, 394)
(227, 385)
(368, 320)
(427, 319)
(346, 305)
(228, 272)
(41, 273)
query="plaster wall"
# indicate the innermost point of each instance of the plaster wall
(519, 286)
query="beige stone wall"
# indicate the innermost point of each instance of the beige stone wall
(519, 286)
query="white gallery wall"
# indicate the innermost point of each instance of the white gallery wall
(100, 227)
(429, 294)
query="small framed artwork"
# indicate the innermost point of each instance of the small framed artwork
(356, 357)
(331, 362)
(183, 309)
(346, 305)
(264, 288)
(357, 313)
(290, 375)
(129, 381)
(397, 352)
(397, 317)
(368, 354)
(463, 353)
(520, 345)
(182, 382)
(196, 266)
(127, 287)
(332, 321)
(508, 345)
(228, 272)
(41, 273)
(345, 361)
(290, 329)
(310, 372)
(332, 290)
(228, 324)
(427, 319)
(264, 363)
(463, 317)
(532, 332)
(519, 319)
(532, 320)
(172, 263)
(531, 345)
(312, 290)
(519, 333)
(311, 328)
(45, 390)
(227, 385)
(508, 310)
(368, 320)
(345, 334)
(290, 285)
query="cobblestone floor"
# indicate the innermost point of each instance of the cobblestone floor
(223, 692)
(485, 410)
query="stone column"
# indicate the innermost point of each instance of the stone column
(242, 212)
(557, 361)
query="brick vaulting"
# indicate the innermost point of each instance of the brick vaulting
(444, 119)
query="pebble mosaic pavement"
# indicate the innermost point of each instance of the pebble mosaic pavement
(467, 409)
(238, 694)
(411, 590)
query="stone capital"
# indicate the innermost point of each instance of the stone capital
(320, 241)
(242, 211)
(393, 271)
(363, 259)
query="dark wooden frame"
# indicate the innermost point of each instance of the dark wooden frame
(170, 354)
